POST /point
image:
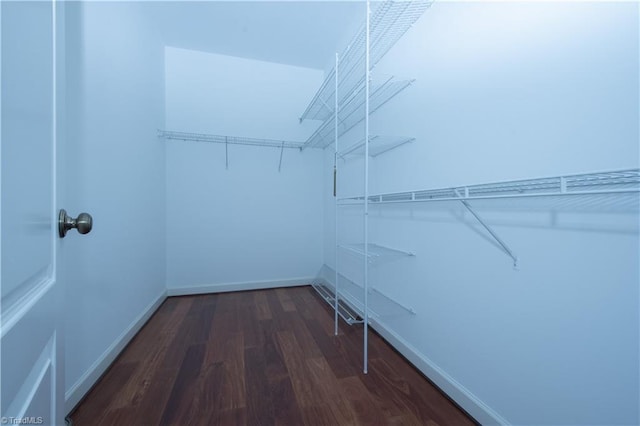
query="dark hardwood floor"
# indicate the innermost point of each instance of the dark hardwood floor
(260, 358)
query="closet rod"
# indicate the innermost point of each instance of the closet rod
(231, 140)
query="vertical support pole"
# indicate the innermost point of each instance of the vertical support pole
(366, 198)
(335, 195)
(226, 152)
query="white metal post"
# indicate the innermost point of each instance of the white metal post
(335, 196)
(366, 198)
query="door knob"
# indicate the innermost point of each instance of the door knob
(82, 223)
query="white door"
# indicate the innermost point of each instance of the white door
(31, 341)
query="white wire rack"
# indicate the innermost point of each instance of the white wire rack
(380, 305)
(230, 140)
(388, 23)
(353, 112)
(612, 191)
(375, 252)
(346, 98)
(377, 145)
(612, 183)
(350, 295)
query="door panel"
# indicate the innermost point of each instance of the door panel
(31, 389)
(27, 149)
(27, 348)
(29, 294)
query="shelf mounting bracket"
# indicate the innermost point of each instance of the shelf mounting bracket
(495, 236)
(226, 152)
(281, 152)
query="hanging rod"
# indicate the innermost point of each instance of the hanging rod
(230, 140)
(388, 24)
(625, 181)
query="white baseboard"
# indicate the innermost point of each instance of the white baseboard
(456, 391)
(93, 373)
(222, 288)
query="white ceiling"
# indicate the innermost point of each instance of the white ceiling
(300, 33)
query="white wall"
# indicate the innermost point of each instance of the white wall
(114, 169)
(507, 91)
(248, 223)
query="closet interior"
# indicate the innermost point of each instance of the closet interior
(458, 178)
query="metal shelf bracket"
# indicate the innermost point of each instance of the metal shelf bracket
(491, 232)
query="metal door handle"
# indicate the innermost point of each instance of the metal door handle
(83, 223)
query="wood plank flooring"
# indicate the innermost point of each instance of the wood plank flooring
(265, 357)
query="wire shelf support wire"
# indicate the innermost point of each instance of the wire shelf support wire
(490, 230)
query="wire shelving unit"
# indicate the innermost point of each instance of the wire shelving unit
(346, 98)
(388, 23)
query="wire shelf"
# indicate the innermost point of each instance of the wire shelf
(375, 252)
(377, 145)
(388, 23)
(616, 190)
(231, 140)
(380, 305)
(354, 111)
(352, 294)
